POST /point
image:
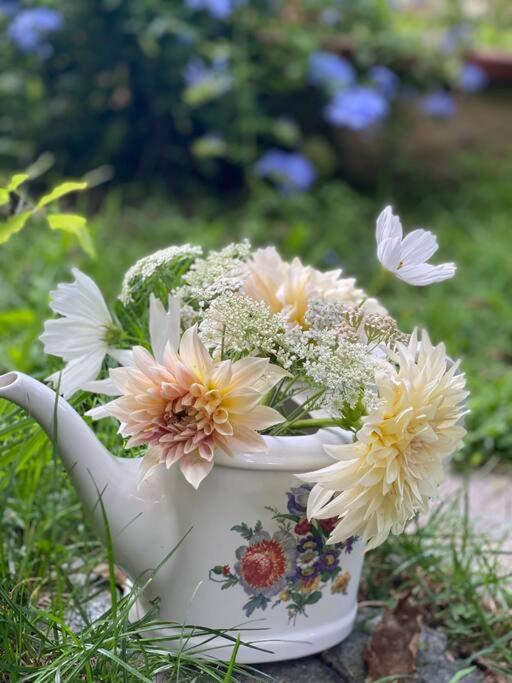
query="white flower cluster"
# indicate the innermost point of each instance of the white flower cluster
(344, 369)
(320, 355)
(241, 325)
(145, 267)
(347, 373)
(220, 272)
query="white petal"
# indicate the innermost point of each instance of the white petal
(164, 326)
(78, 372)
(418, 247)
(70, 338)
(318, 497)
(158, 327)
(174, 328)
(426, 274)
(388, 226)
(101, 386)
(195, 468)
(149, 465)
(122, 356)
(389, 253)
(99, 412)
(81, 298)
(273, 375)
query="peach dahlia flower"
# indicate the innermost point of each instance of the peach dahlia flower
(185, 405)
(396, 463)
(290, 287)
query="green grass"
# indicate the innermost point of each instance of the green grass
(452, 572)
(44, 540)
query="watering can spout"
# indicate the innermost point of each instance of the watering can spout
(107, 486)
(94, 472)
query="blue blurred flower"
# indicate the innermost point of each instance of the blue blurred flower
(439, 104)
(472, 78)
(219, 9)
(292, 171)
(29, 28)
(357, 108)
(385, 80)
(330, 70)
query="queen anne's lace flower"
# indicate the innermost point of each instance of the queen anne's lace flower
(242, 325)
(144, 268)
(396, 463)
(219, 273)
(186, 405)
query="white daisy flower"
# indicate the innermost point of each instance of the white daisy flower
(81, 337)
(407, 256)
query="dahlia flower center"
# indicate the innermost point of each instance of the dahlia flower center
(197, 411)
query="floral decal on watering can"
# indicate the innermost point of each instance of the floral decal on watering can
(292, 566)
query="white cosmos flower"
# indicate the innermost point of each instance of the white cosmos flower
(407, 256)
(81, 336)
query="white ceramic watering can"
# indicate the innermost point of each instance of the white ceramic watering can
(250, 557)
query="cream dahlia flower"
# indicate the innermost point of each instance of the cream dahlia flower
(396, 463)
(290, 287)
(184, 405)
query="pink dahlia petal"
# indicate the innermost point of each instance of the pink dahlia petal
(194, 468)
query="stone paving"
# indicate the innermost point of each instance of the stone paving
(490, 504)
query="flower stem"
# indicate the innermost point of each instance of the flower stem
(311, 423)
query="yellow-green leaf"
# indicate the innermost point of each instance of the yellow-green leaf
(60, 191)
(13, 184)
(16, 180)
(13, 225)
(76, 225)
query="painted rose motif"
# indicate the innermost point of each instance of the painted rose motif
(292, 566)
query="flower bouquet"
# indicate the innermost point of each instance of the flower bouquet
(241, 381)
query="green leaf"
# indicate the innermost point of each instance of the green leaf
(13, 184)
(313, 598)
(76, 225)
(13, 225)
(60, 191)
(16, 180)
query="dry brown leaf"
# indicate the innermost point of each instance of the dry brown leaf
(102, 570)
(394, 643)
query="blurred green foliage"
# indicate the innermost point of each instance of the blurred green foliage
(166, 93)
